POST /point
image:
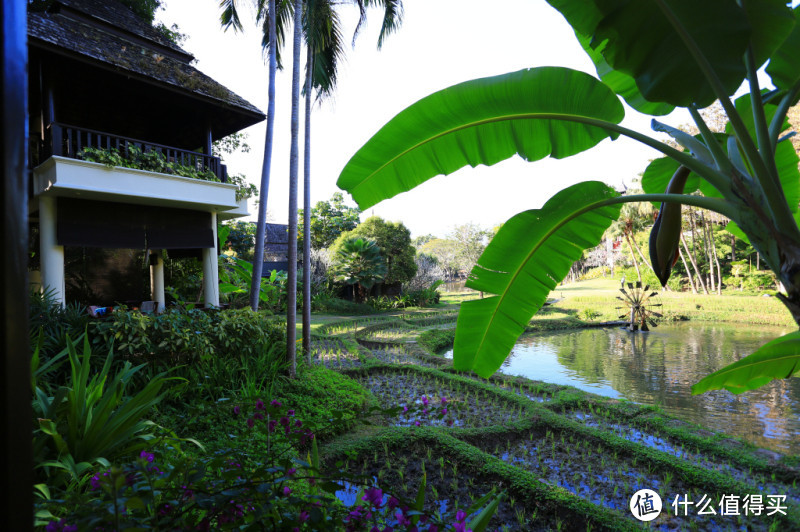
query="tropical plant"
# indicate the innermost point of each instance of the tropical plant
(237, 276)
(394, 241)
(656, 54)
(359, 263)
(89, 421)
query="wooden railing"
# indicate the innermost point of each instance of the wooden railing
(69, 141)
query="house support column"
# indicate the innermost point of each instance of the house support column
(51, 254)
(211, 269)
(157, 293)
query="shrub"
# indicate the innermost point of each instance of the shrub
(319, 394)
(437, 340)
(187, 335)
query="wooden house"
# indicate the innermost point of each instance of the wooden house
(102, 78)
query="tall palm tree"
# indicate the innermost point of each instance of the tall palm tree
(324, 49)
(230, 19)
(294, 161)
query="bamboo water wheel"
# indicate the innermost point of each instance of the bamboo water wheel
(639, 306)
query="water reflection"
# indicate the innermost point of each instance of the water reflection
(660, 367)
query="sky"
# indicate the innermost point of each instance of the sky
(440, 43)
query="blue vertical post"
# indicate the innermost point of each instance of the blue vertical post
(16, 455)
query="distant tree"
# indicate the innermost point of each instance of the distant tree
(358, 262)
(470, 240)
(446, 252)
(241, 239)
(394, 240)
(422, 240)
(428, 272)
(329, 219)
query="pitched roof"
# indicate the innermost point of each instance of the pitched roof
(108, 33)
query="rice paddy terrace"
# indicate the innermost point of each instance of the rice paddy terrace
(566, 459)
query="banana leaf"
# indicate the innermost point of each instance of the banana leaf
(784, 66)
(527, 258)
(636, 38)
(777, 359)
(534, 113)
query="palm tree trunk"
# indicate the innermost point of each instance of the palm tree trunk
(716, 260)
(688, 271)
(307, 212)
(645, 261)
(694, 263)
(261, 224)
(294, 160)
(633, 256)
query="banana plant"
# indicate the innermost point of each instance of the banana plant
(656, 55)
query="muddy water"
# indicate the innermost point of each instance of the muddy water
(660, 367)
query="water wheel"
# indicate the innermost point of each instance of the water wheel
(639, 304)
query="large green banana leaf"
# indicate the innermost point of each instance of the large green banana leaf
(636, 38)
(778, 359)
(622, 83)
(528, 257)
(784, 66)
(531, 112)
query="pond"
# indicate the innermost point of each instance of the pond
(660, 368)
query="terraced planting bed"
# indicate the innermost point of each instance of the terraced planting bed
(566, 459)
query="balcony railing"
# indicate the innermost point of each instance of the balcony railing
(70, 141)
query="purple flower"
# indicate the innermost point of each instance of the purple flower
(416, 423)
(392, 503)
(259, 404)
(290, 412)
(303, 517)
(285, 421)
(286, 491)
(298, 423)
(275, 403)
(271, 425)
(250, 422)
(402, 520)
(236, 410)
(291, 471)
(405, 409)
(461, 515)
(444, 410)
(433, 528)
(443, 400)
(425, 400)
(147, 456)
(374, 496)
(259, 416)
(95, 483)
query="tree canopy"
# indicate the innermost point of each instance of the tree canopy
(329, 219)
(394, 240)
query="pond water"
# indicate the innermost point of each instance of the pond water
(660, 368)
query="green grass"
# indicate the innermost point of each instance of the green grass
(600, 295)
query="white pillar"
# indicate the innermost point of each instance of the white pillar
(210, 269)
(51, 255)
(157, 280)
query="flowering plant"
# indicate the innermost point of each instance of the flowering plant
(232, 490)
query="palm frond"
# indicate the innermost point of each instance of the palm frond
(229, 18)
